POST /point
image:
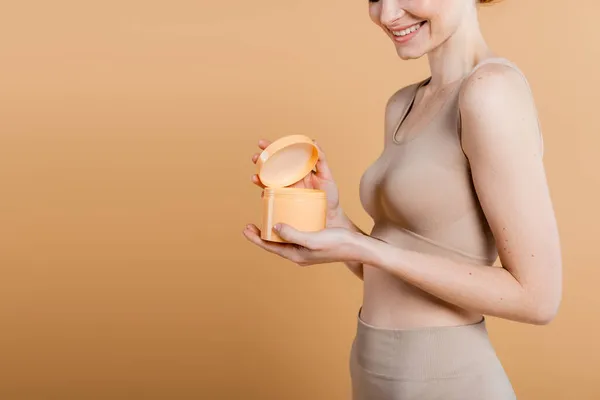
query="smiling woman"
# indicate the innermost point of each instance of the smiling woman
(460, 182)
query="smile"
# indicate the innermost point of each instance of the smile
(404, 34)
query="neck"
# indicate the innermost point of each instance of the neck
(457, 56)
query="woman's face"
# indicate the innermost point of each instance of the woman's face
(418, 26)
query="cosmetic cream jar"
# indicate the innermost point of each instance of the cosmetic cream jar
(283, 163)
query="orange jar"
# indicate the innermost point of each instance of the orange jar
(283, 163)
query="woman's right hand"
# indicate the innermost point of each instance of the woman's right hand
(321, 179)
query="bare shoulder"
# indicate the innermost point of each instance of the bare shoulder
(494, 84)
(401, 96)
(496, 102)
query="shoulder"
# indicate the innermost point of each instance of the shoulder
(398, 102)
(402, 95)
(496, 104)
(494, 84)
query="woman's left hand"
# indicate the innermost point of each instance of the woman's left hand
(308, 248)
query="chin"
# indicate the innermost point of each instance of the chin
(410, 54)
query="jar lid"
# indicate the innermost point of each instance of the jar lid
(298, 193)
(287, 161)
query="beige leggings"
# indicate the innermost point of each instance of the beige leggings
(439, 363)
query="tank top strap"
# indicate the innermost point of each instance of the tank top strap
(508, 63)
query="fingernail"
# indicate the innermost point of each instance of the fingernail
(277, 227)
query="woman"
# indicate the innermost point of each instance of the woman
(460, 182)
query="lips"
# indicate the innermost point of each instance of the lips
(407, 29)
(406, 32)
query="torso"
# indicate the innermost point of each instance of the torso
(420, 195)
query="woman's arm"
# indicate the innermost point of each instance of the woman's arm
(340, 220)
(502, 141)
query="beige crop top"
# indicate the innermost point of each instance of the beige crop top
(419, 191)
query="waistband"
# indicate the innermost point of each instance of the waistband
(424, 353)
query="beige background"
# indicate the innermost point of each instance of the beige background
(126, 130)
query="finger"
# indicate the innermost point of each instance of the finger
(292, 235)
(256, 180)
(253, 228)
(255, 157)
(263, 144)
(252, 233)
(322, 166)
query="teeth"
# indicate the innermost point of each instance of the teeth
(406, 31)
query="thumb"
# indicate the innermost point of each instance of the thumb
(291, 234)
